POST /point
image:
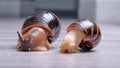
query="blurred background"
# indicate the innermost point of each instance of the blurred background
(95, 10)
(104, 12)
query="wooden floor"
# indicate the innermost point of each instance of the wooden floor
(105, 55)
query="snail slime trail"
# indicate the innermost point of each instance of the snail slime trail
(81, 34)
(38, 31)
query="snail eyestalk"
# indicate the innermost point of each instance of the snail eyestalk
(22, 43)
(71, 42)
(20, 37)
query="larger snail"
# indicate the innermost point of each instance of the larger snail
(38, 31)
(81, 34)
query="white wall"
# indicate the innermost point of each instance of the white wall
(108, 10)
(102, 11)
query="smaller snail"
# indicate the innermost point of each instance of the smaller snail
(38, 31)
(81, 34)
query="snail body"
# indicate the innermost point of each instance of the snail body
(81, 34)
(38, 31)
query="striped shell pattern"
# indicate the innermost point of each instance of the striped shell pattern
(91, 31)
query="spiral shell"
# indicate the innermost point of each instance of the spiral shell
(46, 20)
(91, 31)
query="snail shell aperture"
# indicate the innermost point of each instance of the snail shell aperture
(83, 34)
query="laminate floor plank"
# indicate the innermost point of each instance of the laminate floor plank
(105, 55)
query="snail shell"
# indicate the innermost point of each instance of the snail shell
(49, 19)
(40, 25)
(87, 34)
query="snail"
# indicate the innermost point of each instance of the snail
(82, 34)
(38, 31)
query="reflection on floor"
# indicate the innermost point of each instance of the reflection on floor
(105, 55)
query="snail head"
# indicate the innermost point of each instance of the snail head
(34, 40)
(24, 43)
